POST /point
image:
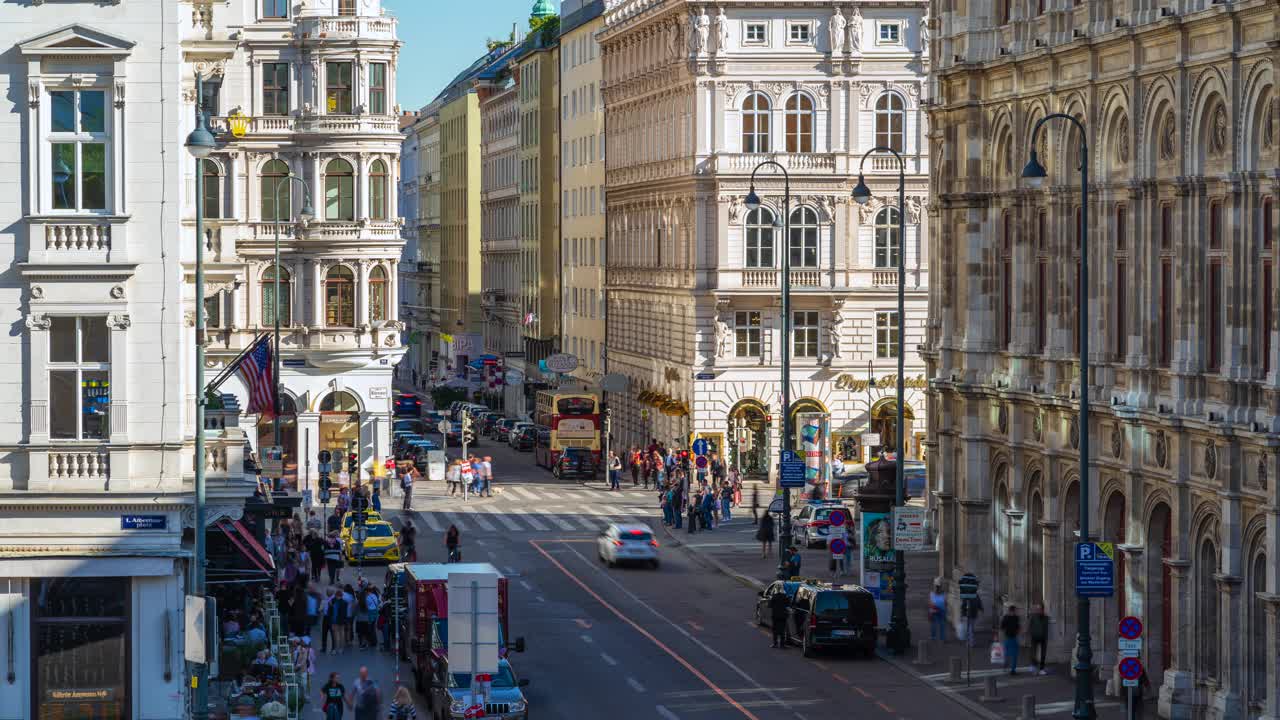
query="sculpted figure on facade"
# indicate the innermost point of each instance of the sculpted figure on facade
(925, 34)
(855, 32)
(833, 329)
(836, 32)
(723, 335)
(914, 206)
(722, 32)
(700, 28)
(673, 39)
(735, 209)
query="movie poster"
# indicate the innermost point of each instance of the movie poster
(878, 561)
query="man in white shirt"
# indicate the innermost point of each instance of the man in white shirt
(486, 471)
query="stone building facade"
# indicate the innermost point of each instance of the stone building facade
(420, 260)
(500, 206)
(1179, 103)
(303, 89)
(697, 95)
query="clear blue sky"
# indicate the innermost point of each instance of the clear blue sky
(443, 37)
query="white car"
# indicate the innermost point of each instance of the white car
(627, 543)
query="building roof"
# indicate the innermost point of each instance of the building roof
(542, 8)
(461, 83)
(495, 69)
(579, 13)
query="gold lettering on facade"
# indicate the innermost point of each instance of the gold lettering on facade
(888, 382)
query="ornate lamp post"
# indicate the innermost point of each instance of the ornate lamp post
(200, 143)
(899, 637)
(753, 203)
(1034, 173)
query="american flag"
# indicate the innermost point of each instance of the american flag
(256, 371)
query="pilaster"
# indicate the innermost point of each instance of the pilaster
(1177, 691)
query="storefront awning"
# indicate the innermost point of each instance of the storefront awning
(248, 546)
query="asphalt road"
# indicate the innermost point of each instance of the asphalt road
(676, 642)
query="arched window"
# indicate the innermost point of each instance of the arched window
(891, 118)
(803, 243)
(339, 191)
(268, 296)
(759, 238)
(211, 189)
(887, 241)
(755, 124)
(378, 190)
(378, 294)
(339, 401)
(272, 178)
(339, 297)
(799, 124)
(1209, 644)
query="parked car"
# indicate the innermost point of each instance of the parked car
(449, 691)
(502, 429)
(525, 438)
(575, 463)
(846, 484)
(516, 430)
(488, 421)
(826, 616)
(408, 405)
(621, 543)
(764, 615)
(812, 525)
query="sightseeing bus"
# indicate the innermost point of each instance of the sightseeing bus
(574, 421)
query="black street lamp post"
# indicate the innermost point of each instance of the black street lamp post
(1034, 173)
(753, 203)
(305, 215)
(899, 636)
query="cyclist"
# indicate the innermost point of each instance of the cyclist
(452, 541)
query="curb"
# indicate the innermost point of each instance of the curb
(948, 692)
(706, 560)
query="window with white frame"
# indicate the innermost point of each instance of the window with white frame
(756, 33)
(887, 334)
(378, 88)
(891, 120)
(275, 9)
(759, 238)
(79, 133)
(755, 124)
(887, 241)
(79, 378)
(799, 116)
(747, 334)
(803, 243)
(804, 330)
(888, 32)
(800, 33)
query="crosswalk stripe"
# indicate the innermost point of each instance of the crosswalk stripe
(552, 518)
(432, 522)
(456, 519)
(551, 496)
(524, 492)
(615, 511)
(479, 519)
(505, 519)
(533, 521)
(591, 523)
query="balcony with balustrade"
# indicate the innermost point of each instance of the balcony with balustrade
(83, 241)
(347, 27)
(347, 126)
(769, 280)
(795, 163)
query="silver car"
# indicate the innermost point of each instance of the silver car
(505, 700)
(621, 543)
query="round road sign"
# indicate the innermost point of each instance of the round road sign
(838, 546)
(701, 461)
(837, 518)
(444, 427)
(1130, 668)
(1130, 628)
(700, 447)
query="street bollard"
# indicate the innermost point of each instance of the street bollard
(991, 694)
(957, 666)
(1028, 708)
(922, 653)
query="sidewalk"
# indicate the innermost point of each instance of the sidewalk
(732, 549)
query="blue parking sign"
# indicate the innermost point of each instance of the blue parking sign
(1095, 569)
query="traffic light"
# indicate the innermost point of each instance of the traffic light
(353, 463)
(326, 457)
(468, 435)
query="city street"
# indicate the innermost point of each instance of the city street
(676, 642)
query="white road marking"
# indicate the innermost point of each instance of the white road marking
(505, 519)
(526, 586)
(588, 524)
(667, 714)
(608, 660)
(533, 521)
(479, 519)
(430, 519)
(540, 599)
(522, 491)
(555, 519)
(613, 510)
(456, 519)
(586, 639)
(635, 684)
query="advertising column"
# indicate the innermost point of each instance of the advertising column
(878, 561)
(815, 433)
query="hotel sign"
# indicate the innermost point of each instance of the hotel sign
(888, 382)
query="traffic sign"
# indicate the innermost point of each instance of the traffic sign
(700, 447)
(1095, 569)
(789, 456)
(701, 461)
(837, 518)
(776, 505)
(444, 427)
(1130, 669)
(1129, 648)
(1130, 628)
(838, 547)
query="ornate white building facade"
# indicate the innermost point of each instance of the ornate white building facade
(696, 96)
(1180, 107)
(312, 87)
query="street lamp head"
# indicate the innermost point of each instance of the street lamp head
(200, 142)
(753, 200)
(307, 213)
(861, 193)
(1034, 172)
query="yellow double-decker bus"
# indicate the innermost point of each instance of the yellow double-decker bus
(573, 420)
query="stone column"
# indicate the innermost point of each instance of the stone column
(1228, 702)
(393, 291)
(362, 294)
(1271, 706)
(1051, 547)
(1176, 693)
(297, 278)
(317, 294)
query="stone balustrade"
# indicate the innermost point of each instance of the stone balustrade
(80, 464)
(348, 28)
(77, 237)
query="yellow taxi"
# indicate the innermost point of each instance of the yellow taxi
(349, 520)
(381, 544)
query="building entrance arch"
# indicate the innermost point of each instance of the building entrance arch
(749, 438)
(803, 406)
(884, 421)
(288, 438)
(340, 426)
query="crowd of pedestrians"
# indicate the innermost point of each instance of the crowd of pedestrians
(691, 497)
(470, 476)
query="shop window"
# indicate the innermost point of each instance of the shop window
(79, 379)
(80, 641)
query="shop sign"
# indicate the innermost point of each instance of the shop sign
(562, 363)
(144, 522)
(379, 392)
(339, 418)
(888, 382)
(79, 695)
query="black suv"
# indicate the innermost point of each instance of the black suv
(833, 616)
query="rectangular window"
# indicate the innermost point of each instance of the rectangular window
(1166, 226)
(747, 334)
(210, 91)
(1268, 230)
(887, 334)
(378, 88)
(804, 328)
(1006, 303)
(80, 638)
(1213, 324)
(78, 159)
(79, 379)
(1042, 306)
(213, 310)
(346, 7)
(1166, 313)
(889, 33)
(338, 88)
(1122, 227)
(274, 9)
(800, 32)
(275, 88)
(1268, 312)
(1122, 311)
(755, 32)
